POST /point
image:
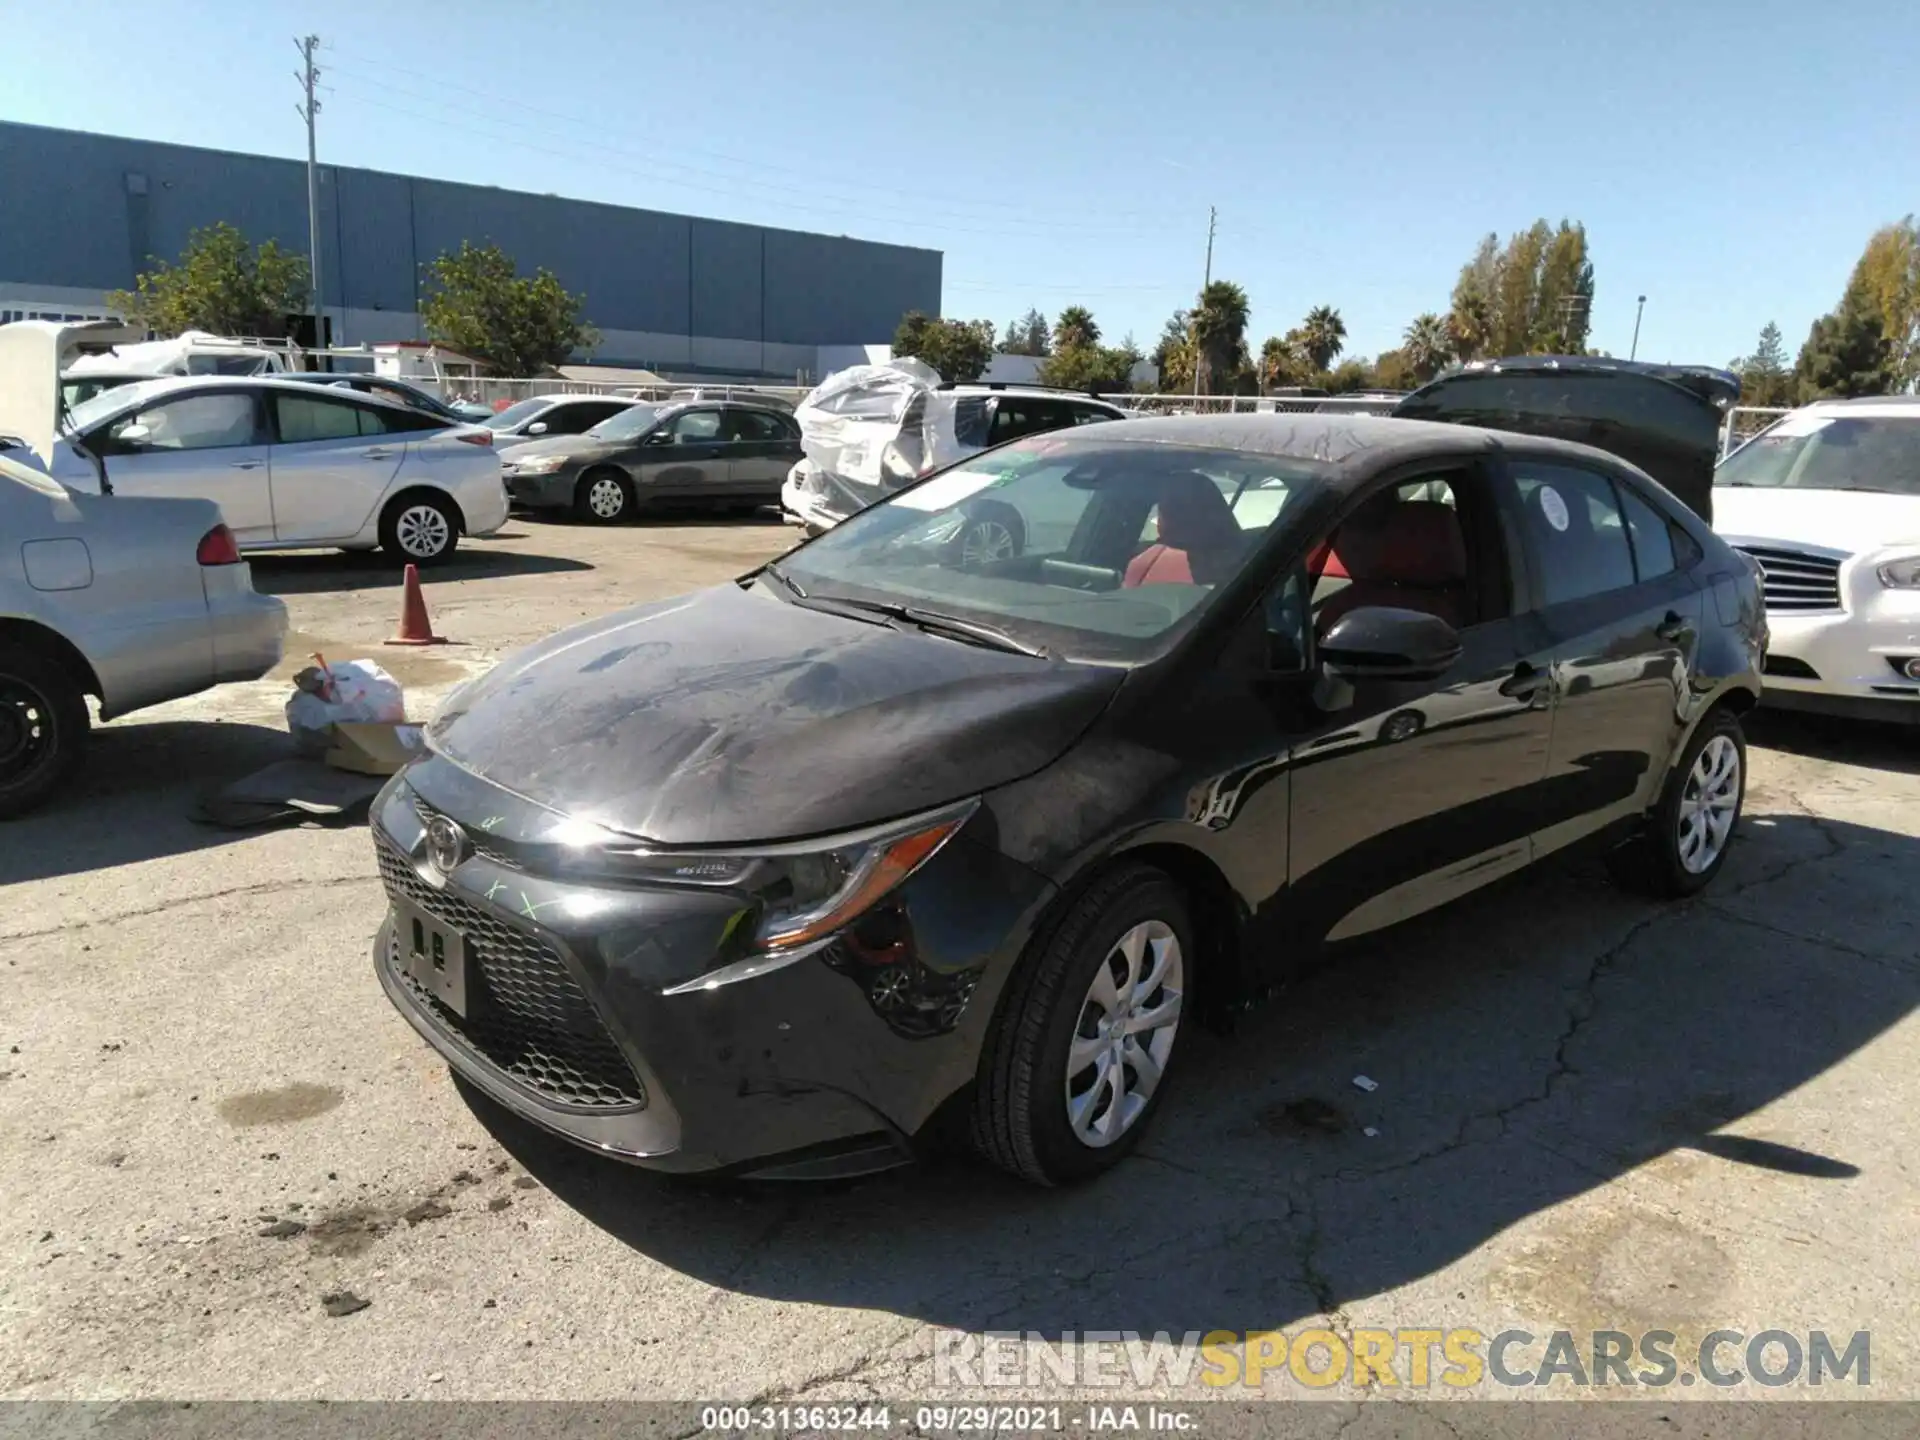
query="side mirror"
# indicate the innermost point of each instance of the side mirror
(538, 427)
(659, 437)
(132, 433)
(1379, 642)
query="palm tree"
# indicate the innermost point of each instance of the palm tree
(1427, 346)
(1324, 335)
(1277, 363)
(1075, 328)
(1219, 331)
(1469, 326)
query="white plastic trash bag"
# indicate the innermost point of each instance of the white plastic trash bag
(357, 691)
(880, 425)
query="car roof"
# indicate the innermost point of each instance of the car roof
(155, 385)
(1354, 447)
(1705, 382)
(1026, 392)
(1902, 405)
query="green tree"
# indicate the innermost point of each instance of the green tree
(1027, 336)
(1424, 351)
(1096, 368)
(1533, 296)
(1764, 378)
(1219, 324)
(1846, 354)
(959, 349)
(1886, 280)
(1075, 328)
(220, 284)
(1350, 375)
(1323, 335)
(1173, 353)
(514, 324)
(1280, 363)
(1395, 369)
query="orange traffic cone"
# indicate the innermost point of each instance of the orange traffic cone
(415, 628)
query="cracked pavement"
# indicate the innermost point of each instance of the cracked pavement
(1592, 1112)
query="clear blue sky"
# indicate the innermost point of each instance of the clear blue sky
(1729, 160)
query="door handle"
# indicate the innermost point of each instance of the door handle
(247, 464)
(1526, 681)
(1673, 628)
(377, 454)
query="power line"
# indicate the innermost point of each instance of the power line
(918, 216)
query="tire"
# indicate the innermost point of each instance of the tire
(420, 530)
(994, 531)
(1021, 1110)
(604, 497)
(1666, 860)
(43, 728)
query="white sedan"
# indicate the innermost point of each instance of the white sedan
(290, 465)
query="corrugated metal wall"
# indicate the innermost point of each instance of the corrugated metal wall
(86, 211)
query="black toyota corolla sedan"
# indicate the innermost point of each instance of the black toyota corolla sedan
(772, 877)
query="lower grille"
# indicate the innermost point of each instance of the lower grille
(527, 1015)
(1795, 582)
(1787, 666)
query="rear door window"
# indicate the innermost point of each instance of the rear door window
(1578, 530)
(1651, 534)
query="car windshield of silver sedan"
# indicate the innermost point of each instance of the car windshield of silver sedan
(1830, 452)
(89, 413)
(1069, 547)
(629, 424)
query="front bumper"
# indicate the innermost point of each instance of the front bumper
(1855, 659)
(540, 492)
(829, 1064)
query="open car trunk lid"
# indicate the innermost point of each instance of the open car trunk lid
(1666, 419)
(32, 355)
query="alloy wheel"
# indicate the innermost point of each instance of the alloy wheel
(26, 728)
(986, 541)
(1124, 1034)
(605, 498)
(423, 531)
(1709, 804)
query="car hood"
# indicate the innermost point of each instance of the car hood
(33, 353)
(732, 716)
(1849, 520)
(582, 446)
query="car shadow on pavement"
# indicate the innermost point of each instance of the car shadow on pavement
(1883, 746)
(307, 572)
(1542, 1039)
(131, 798)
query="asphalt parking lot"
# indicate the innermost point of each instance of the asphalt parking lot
(1590, 1113)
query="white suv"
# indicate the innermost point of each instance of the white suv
(1827, 502)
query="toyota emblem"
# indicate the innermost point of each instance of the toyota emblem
(446, 844)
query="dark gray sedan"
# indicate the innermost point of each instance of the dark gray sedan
(708, 454)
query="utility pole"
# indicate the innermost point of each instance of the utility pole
(1638, 311)
(1213, 216)
(309, 76)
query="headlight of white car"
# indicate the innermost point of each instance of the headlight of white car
(537, 464)
(1902, 574)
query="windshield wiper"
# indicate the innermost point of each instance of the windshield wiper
(973, 632)
(783, 580)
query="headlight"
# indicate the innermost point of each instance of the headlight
(801, 893)
(1901, 574)
(537, 465)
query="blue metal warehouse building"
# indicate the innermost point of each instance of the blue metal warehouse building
(84, 212)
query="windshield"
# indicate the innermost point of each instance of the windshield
(629, 424)
(522, 410)
(82, 389)
(89, 413)
(1091, 550)
(1831, 451)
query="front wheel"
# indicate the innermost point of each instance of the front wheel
(1077, 1061)
(43, 728)
(993, 532)
(1691, 830)
(419, 529)
(603, 497)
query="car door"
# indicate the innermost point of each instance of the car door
(685, 458)
(762, 448)
(207, 444)
(1622, 619)
(1408, 793)
(332, 460)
